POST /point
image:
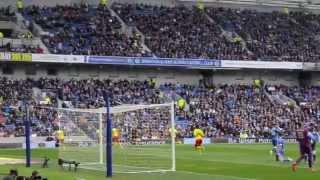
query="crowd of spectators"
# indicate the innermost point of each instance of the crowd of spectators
(22, 49)
(85, 94)
(188, 32)
(180, 32)
(306, 98)
(222, 110)
(85, 30)
(277, 36)
(89, 93)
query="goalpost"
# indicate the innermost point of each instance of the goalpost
(144, 144)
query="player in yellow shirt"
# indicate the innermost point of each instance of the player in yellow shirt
(173, 132)
(60, 136)
(115, 135)
(198, 135)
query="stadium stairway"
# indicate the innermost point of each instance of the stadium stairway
(128, 29)
(36, 93)
(39, 95)
(279, 98)
(288, 100)
(209, 18)
(37, 30)
(19, 27)
(229, 34)
(269, 96)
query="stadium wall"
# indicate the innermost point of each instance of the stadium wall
(266, 6)
(252, 4)
(315, 78)
(262, 5)
(288, 78)
(67, 71)
(169, 3)
(162, 75)
(64, 2)
(44, 2)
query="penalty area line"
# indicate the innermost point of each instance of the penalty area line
(127, 172)
(216, 175)
(101, 167)
(138, 172)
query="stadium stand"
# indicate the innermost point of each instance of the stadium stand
(14, 36)
(219, 98)
(7, 14)
(306, 98)
(183, 32)
(276, 36)
(226, 110)
(180, 32)
(83, 29)
(222, 110)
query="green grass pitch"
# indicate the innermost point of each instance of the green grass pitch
(218, 162)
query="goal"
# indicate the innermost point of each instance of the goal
(142, 140)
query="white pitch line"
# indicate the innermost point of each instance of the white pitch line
(129, 172)
(162, 171)
(91, 168)
(210, 160)
(137, 167)
(164, 155)
(216, 175)
(243, 163)
(138, 172)
(119, 165)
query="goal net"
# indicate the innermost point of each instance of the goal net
(141, 137)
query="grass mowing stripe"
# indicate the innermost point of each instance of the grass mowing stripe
(218, 162)
(209, 160)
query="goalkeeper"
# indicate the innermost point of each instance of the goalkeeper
(198, 134)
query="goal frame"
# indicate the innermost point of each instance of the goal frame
(109, 171)
(105, 128)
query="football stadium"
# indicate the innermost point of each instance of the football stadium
(159, 89)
